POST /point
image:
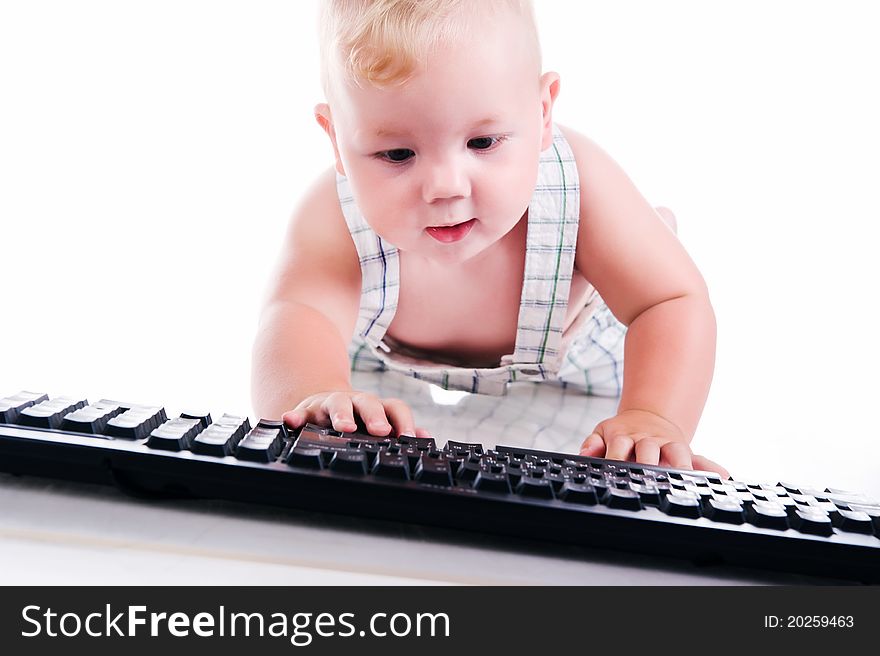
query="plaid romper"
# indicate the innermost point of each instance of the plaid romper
(590, 353)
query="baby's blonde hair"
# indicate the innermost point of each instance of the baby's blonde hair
(382, 42)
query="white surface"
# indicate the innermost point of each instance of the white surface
(150, 154)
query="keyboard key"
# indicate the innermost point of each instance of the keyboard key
(556, 477)
(263, 443)
(681, 504)
(136, 423)
(11, 406)
(830, 508)
(420, 443)
(175, 434)
(723, 488)
(767, 514)
(389, 465)
(494, 456)
(468, 469)
(51, 413)
(814, 522)
(350, 462)
(846, 498)
(488, 481)
(220, 438)
(728, 511)
(534, 488)
(648, 494)
(582, 493)
(537, 462)
(871, 511)
(804, 500)
(599, 483)
(464, 448)
(91, 419)
(433, 471)
(576, 467)
(371, 451)
(623, 499)
(704, 493)
(307, 457)
(204, 419)
(411, 452)
(853, 521)
(818, 494)
(786, 502)
(514, 471)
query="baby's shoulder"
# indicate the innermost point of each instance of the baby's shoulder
(318, 219)
(587, 152)
(601, 179)
(318, 264)
(318, 243)
(317, 231)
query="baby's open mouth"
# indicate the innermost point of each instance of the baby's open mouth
(451, 233)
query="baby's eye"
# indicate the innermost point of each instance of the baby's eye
(397, 154)
(484, 143)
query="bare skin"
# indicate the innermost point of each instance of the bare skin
(438, 167)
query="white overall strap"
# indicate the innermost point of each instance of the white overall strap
(550, 250)
(380, 270)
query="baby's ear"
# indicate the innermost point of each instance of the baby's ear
(325, 120)
(549, 90)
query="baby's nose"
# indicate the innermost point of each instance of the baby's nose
(445, 181)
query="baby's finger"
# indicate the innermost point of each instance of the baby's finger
(593, 446)
(648, 452)
(372, 412)
(421, 432)
(307, 412)
(620, 447)
(294, 418)
(400, 416)
(677, 455)
(340, 412)
(301, 414)
(701, 462)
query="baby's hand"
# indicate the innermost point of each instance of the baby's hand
(641, 436)
(339, 410)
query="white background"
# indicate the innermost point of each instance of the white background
(151, 152)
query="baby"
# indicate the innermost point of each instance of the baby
(464, 238)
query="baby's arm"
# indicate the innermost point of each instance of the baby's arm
(651, 284)
(300, 367)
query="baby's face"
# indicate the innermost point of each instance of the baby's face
(456, 145)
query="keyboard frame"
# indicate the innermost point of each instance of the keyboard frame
(145, 472)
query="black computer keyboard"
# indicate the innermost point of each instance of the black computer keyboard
(506, 490)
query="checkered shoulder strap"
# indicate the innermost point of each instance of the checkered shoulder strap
(550, 248)
(380, 270)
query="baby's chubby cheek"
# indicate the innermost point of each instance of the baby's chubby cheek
(508, 194)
